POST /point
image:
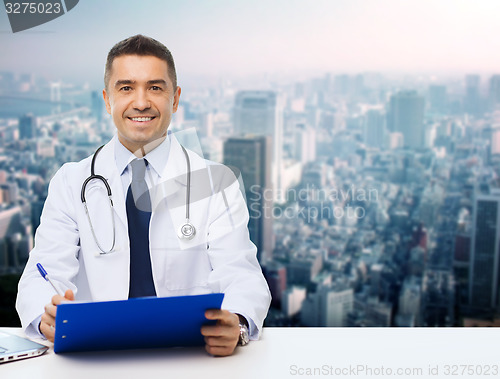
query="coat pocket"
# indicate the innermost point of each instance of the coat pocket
(183, 269)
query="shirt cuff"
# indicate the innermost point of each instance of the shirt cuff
(253, 332)
(32, 330)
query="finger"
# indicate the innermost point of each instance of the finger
(48, 319)
(212, 330)
(219, 351)
(216, 314)
(228, 334)
(69, 295)
(224, 316)
(57, 299)
(220, 341)
(48, 330)
(220, 330)
(51, 310)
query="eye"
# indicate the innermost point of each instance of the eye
(156, 88)
(126, 88)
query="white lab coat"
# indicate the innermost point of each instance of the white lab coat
(220, 258)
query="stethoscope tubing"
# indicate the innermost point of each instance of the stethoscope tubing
(84, 202)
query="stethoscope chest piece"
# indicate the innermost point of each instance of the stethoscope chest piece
(187, 231)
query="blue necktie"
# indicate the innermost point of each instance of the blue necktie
(138, 205)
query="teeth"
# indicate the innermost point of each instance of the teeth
(142, 119)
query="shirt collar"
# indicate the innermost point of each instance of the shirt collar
(157, 158)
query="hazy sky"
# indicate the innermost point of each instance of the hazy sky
(242, 37)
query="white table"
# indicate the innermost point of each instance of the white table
(290, 353)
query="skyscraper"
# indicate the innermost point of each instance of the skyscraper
(251, 155)
(15, 239)
(304, 144)
(485, 253)
(27, 126)
(472, 100)
(261, 113)
(494, 91)
(406, 115)
(374, 128)
(275, 274)
(97, 105)
(438, 298)
(438, 99)
(328, 306)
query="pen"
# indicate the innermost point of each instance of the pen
(46, 277)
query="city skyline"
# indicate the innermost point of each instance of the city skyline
(341, 256)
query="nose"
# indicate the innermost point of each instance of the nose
(141, 100)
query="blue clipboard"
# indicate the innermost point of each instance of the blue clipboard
(149, 322)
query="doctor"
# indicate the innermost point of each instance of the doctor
(133, 249)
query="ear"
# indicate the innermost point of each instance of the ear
(177, 96)
(106, 101)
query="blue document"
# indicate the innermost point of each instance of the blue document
(148, 322)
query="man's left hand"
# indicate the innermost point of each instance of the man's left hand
(221, 339)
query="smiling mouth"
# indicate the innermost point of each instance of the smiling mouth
(141, 119)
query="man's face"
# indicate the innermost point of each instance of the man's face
(141, 99)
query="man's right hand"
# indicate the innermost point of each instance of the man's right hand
(48, 323)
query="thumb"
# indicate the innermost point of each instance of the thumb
(69, 295)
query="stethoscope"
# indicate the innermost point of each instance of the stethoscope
(186, 231)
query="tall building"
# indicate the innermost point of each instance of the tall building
(302, 269)
(438, 99)
(329, 306)
(251, 155)
(495, 141)
(485, 253)
(494, 90)
(292, 299)
(438, 298)
(472, 100)
(409, 299)
(9, 193)
(342, 85)
(275, 275)
(304, 144)
(377, 313)
(27, 126)
(97, 105)
(374, 129)
(261, 113)
(15, 240)
(406, 116)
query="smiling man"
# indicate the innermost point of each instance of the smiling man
(149, 258)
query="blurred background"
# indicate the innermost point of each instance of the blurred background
(367, 134)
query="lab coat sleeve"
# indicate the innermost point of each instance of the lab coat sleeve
(235, 269)
(56, 248)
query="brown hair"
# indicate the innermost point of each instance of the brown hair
(144, 46)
